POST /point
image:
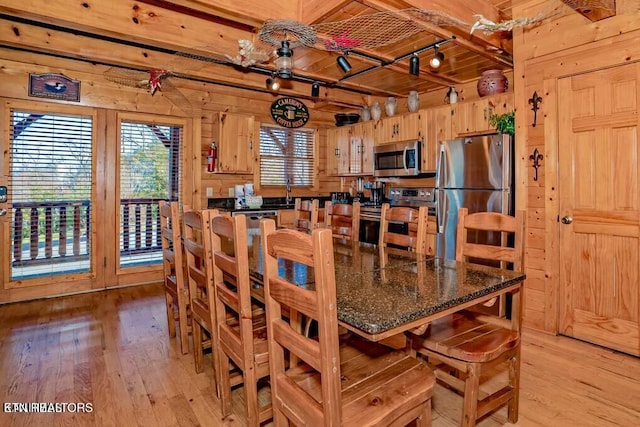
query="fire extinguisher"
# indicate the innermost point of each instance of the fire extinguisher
(212, 157)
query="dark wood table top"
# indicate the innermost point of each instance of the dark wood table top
(379, 301)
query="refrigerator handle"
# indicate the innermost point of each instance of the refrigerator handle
(404, 158)
(440, 210)
(440, 167)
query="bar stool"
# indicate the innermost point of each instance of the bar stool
(305, 215)
(343, 220)
(176, 293)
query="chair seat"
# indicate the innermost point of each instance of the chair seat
(462, 336)
(376, 381)
(260, 344)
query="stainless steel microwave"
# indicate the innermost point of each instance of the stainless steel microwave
(397, 159)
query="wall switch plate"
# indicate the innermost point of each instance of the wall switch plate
(209, 191)
(232, 192)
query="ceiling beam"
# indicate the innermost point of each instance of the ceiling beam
(596, 12)
(247, 12)
(314, 11)
(477, 42)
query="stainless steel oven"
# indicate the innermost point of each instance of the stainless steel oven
(397, 159)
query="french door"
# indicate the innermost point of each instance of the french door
(82, 188)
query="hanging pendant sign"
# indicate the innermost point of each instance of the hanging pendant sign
(289, 112)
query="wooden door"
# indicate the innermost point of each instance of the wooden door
(599, 207)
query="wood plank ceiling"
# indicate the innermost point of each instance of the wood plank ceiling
(146, 34)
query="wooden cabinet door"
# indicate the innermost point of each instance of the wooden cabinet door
(366, 151)
(338, 147)
(436, 127)
(389, 129)
(599, 196)
(236, 141)
(410, 128)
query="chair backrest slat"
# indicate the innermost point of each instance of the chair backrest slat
(305, 215)
(343, 220)
(417, 224)
(510, 237)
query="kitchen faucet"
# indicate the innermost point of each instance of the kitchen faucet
(288, 189)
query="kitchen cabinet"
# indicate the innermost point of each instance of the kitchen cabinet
(361, 149)
(338, 148)
(473, 117)
(236, 134)
(436, 127)
(398, 128)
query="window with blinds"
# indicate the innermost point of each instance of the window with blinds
(50, 193)
(149, 172)
(286, 154)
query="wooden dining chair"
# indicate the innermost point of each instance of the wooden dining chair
(338, 380)
(305, 215)
(420, 236)
(175, 287)
(343, 220)
(460, 346)
(242, 335)
(197, 245)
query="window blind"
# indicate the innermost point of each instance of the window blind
(50, 193)
(149, 172)
(286, 154)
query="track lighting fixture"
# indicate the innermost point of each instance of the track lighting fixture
(414, 65)
(315, 90)
(284, 62)
(273, 83)
(343, 63)
(437, 59)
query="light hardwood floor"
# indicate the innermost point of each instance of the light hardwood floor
(111, 349)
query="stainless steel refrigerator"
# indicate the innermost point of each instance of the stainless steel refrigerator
(474, 173)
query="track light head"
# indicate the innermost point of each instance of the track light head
(284, 61)
(414, 65)
(343, 63)
(315, 90)
(273, 83)
(437, 59)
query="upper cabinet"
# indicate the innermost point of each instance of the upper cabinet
(436, 127)
(350, 149)
(338, 149)
(398, 128)
(236, 137)
(473, 117)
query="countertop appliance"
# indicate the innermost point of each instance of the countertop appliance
(473, 173)
(397, 159)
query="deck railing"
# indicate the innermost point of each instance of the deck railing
(60, 231)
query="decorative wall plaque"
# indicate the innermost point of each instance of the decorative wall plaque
(289, 112)
(54, 86)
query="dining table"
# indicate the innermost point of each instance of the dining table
(382, 293)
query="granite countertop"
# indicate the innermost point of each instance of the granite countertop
(267, 203)
(376, 299)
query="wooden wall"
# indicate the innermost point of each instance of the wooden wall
(561, 45)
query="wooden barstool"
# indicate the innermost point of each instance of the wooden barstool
(461, 345)
(339, 380)
(305, 215)
(175, 289)
(197, 245)
(343, 220)
(420, 237)
(242, 335)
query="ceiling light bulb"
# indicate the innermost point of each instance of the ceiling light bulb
(273, 84)
(437, 59)
(343, 63)
(414, 65)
